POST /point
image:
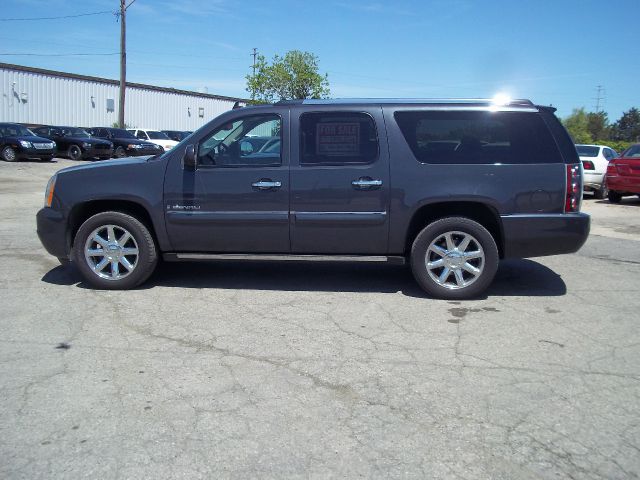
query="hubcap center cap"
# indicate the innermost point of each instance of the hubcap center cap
(454, 260)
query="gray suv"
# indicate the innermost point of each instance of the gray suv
(450, 186)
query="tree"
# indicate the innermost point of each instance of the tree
(294, 76)
(627, 128)
(577, 124)
(598, 126)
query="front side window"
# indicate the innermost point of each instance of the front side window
(467, 137)
(337, 138)
(238, 144)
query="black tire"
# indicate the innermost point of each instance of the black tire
(119, 152)
(459, 228)
(65, 262)
(74, 152)
(8, 154)
(146, 259)
(614, 197)
(602, 192)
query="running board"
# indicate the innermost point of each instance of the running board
(180, 257)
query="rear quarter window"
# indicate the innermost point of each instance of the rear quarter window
(480, 137)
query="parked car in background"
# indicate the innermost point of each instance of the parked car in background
(595, 159)
(176, 135)
(125, 144)
(76, 143)
(154, 136)
(18, 142)
(623, 174)
(253, 144)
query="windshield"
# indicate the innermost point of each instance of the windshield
(121, 133)
(587, 151)
(75, 132)
(633, 152)
(10, 130)
(157, 135)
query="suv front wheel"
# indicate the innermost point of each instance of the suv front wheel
(114, 251)
(454, 258)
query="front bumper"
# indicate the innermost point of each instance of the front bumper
(537, 235)
(94, 152)
(51, 229)
(140, 152)
(34, 153)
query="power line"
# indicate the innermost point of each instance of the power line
(54, 18)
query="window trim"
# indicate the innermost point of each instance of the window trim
(337, 164)
(269, 165)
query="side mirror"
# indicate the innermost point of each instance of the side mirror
(190, 160)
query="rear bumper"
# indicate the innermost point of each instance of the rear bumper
(51, 229)
(593, 180)
(545, 234)
(623, 184)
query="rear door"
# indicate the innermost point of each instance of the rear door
(339, 181)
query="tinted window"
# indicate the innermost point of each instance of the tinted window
(632, 152)
(157, 135)
(587, 151)
(232, 144)
(477, 137)
(121, 133)
(337, 138)
(41, 131)
(561, 136)
(14, 130)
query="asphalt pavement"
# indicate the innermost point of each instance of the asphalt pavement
(323, 370)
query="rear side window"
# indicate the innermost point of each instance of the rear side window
(336, 138)
(561, 136)
(467, 137)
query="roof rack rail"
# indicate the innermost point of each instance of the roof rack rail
(444, 101)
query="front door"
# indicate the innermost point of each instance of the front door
(339, 181)
(237, 198)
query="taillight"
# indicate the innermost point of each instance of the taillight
(574, 188)
(611, 169)
(588, 165)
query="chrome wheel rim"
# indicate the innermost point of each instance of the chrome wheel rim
(111, 252)
(9, 154)
(455, 260)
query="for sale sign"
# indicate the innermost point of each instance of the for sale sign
(337, 139)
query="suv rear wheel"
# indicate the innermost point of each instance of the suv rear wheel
(454, 258)
(114, 251)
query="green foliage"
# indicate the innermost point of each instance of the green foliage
(627, 128)
(577, 124)
(617, 145)
(294, 76)
(597, 125)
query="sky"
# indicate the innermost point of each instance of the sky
(553, 52)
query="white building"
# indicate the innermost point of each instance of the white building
(37, 96)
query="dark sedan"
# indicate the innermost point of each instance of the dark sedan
(76, 144)
(125, 144)
(18, 142)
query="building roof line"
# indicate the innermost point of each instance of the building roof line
(109, 81)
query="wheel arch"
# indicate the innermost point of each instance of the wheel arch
(484, 214)
(83, 211)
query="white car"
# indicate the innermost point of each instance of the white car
(154, 136)
(595, 159)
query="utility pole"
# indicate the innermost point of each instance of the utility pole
(599, 97)
(254, 55)
(123, 57)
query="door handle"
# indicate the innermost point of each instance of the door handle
(266, 184)
(366, 183)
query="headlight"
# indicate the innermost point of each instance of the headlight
(52, 145)
(26, 144)
(134, 145)
(86, 145)
(48, 193)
